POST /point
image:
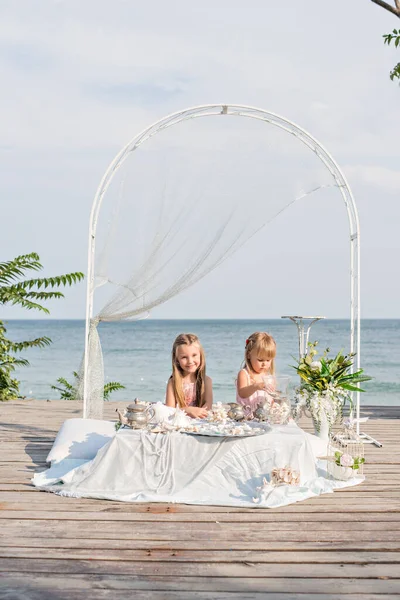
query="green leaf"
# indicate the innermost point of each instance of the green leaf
(110, 387)
(37, 343)
(27, 293)
(351, 388)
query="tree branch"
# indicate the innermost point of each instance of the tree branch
(393, 9)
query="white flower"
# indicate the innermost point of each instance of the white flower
(346, 460)
(315, 365)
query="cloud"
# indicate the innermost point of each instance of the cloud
(136, 93)
(383, 178)
(80, 79)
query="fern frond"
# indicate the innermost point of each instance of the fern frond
(112, 386)
(41, 342)
(26, 304)
(10, 362)
(60, 280)
(20, 291)
(11, 270)
(64, 382)
(65, 394)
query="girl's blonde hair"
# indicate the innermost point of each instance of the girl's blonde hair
(186, 339)
(265, 346)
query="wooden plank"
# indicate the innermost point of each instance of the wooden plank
(172, 521)
(76, 509)
(28, 593)
(325, 502)
(187, 531)
(64, 543)
(285, 588)
(27, 491)
(362, 557)
(203, 569)
(218, 585)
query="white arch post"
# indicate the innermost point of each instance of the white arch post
(236, 110)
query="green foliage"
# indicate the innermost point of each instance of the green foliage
(26, 293)
(320, 375)
(111, 387)
(69, 391)
(326, 385)
(395, 38)
(392, 37)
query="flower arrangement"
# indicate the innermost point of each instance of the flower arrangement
(326, 385)
(345, 465)
(343, 459)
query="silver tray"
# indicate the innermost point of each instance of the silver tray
(210, 433)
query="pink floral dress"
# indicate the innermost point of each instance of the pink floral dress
(189, 392)
(251, 403)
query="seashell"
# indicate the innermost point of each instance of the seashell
(285, 475)
(157, 429)
(263, 491)
(287, 478)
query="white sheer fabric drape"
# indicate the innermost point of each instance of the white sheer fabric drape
(180, 205)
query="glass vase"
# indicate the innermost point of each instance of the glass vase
(321, 425)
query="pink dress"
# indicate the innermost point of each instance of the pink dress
(251, 403)
(189, 392)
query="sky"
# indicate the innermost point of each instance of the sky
(81, 78)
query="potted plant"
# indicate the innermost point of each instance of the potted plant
(326, 386)
(344, 466)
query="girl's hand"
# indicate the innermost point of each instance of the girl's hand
(196, 412)
(260, 385)
(266, 387)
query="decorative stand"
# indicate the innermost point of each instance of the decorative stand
(303, 328)
(349, 444)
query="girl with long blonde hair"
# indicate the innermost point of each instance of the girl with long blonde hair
(189, 388)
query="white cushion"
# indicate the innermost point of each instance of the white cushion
(80, 439)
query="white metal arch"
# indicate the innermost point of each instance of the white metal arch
(236, 110)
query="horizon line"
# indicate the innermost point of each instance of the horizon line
(200, 319)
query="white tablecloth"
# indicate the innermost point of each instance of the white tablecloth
(138, 466)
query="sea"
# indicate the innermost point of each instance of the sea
(138, 353)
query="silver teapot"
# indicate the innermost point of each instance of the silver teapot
(136, 415)
(236, 411)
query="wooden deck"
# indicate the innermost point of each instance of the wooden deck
(341, 545)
